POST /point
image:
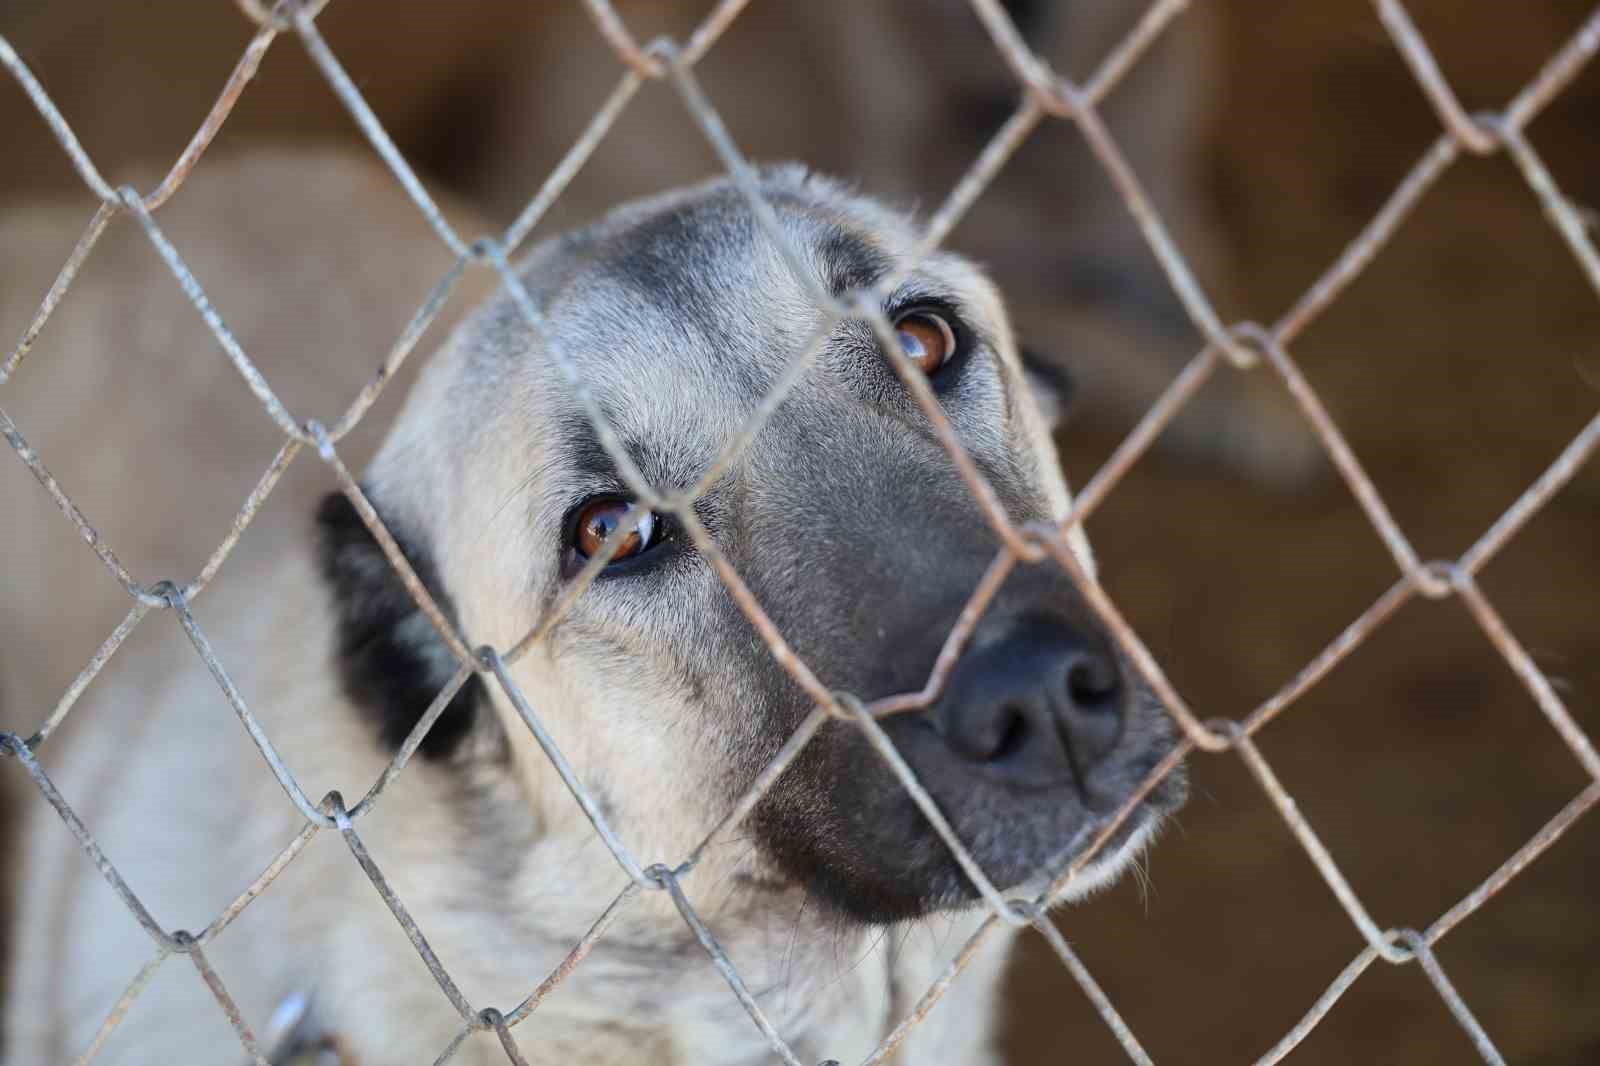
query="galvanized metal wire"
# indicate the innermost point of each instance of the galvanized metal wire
(1245, 347)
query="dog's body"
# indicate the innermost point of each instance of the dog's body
(835, 900)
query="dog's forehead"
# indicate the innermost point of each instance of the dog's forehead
(701, 287)
(700, 293)
(694, 295)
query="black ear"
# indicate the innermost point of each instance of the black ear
(391, 660)
(1051, 385)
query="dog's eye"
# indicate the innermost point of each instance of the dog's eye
(599, 517)
(926, 339)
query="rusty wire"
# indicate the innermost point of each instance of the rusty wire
(1243, 346)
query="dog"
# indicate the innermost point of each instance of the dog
(835, 900)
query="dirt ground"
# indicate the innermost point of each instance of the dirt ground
(1459, 365)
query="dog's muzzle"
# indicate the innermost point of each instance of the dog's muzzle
(1040, 734)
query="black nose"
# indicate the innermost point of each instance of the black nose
(1039, 707)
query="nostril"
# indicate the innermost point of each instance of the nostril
(1093, 684)
(1011, 737)
(991, 737)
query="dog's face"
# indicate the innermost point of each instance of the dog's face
(845, 517)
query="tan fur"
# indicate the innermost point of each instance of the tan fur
(166, 779)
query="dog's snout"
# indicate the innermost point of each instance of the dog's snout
(1037, 708)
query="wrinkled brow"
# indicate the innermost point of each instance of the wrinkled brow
(578, 465)
(576, 454)
(850, 261)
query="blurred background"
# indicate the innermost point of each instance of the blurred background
(1459, 364)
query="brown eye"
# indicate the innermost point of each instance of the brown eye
(925, 339)
(599, 517)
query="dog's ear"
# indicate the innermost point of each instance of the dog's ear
(391, 660)
(1051, 385)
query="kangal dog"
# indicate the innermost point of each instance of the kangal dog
(836, 900)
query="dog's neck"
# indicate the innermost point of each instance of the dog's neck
(648, 991)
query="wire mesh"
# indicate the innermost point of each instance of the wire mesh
(1246, 346)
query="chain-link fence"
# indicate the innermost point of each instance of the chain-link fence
(1245, 348)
